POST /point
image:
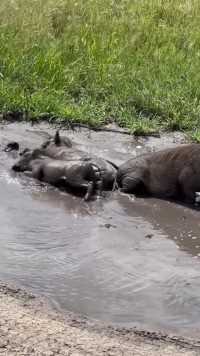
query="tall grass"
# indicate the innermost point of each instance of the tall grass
(135, 62)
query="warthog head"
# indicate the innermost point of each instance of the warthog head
(27, 156)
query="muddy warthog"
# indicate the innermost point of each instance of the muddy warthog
(63, 149)
(81, 176)
(170, 173)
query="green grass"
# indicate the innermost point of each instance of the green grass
(92, 61)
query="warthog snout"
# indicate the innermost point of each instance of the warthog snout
(16, 168)
(12, 146)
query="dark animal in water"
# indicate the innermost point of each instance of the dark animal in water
(62, 148)
(170, 173)
(82, 176)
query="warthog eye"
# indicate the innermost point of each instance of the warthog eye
(26, 150)
(46, 144)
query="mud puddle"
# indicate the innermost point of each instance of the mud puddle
(122, 261)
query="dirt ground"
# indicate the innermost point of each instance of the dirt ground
(28, 326)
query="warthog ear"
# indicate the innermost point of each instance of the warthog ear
(57, 139)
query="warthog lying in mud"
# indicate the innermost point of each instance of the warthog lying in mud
(61, 148)
(83, 176)
(173, 173)
(61, 163)
(170, 173)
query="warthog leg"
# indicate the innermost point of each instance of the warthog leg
(92, 174)
(130, 184)
(197, 198)
(90, 189)
(83, 177)
(83, 184)
(99, 187)
(189, 184)
(97, 179)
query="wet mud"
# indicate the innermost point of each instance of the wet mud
(125, 261)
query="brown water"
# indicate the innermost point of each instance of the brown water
(123, 261)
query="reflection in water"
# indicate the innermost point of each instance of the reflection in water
(71, 204)
(180, 224)
(122, 261)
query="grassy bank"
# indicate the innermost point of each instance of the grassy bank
(136, 62)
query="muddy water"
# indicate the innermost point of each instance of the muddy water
(124, 261)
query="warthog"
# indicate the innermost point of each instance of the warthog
(83, 176)
(62, 148)
(170, 173)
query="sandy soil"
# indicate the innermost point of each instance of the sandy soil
(28, 326)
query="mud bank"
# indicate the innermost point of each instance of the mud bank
(29, 326)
